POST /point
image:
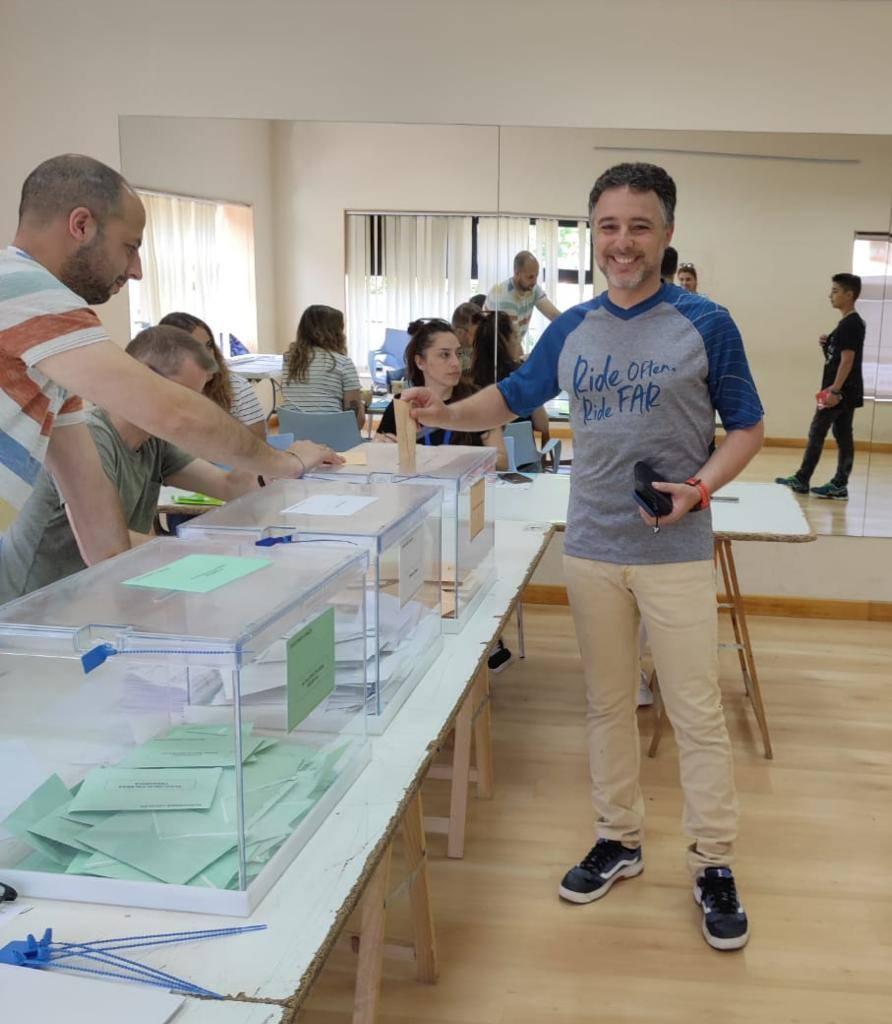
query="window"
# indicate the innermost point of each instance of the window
(872, 262)
(197, 257)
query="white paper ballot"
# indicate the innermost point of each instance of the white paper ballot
(331, 505)
(30, 995)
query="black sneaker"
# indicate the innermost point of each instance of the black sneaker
(793, 482)
(500, 658)
(593, 876)
(831, 490)
(724, 920)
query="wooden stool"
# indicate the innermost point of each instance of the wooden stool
(473, 715)
(724, 558)
(369, 944)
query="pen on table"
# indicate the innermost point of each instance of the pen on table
(723, 497)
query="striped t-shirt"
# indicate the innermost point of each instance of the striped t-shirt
(329, 376)
(39, 317)
(246, 405)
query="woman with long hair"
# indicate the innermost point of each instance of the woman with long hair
(497, 354)
(226, 389)
(318, 375)
(433, 360)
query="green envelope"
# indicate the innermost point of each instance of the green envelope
(139, 789)
(200, 750)
(199, 574)
(49, 796)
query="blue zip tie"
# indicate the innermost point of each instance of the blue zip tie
(47, 953)
(267, 542)
(100, 654)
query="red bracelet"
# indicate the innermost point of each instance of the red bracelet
(704, 493)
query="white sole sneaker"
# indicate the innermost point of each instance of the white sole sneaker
(723, 944)
(627, 871)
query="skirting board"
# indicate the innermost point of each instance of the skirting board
(757, 604)
(564, 431)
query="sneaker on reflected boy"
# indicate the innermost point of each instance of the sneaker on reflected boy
(593, 876)
(725, 925)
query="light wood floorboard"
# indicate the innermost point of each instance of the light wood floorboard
(814, 858)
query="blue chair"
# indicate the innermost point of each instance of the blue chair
(280, 440)
(390, 356)
(336, 429)
(524, 456)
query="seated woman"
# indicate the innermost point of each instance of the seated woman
(433, 360)
(318, 375)
(497, 353)
(226, 389)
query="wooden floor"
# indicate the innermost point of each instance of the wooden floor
(867, 513)
(814, 858)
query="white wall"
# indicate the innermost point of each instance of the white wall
(213, 158)
(765, 234)
(322, 170)
(765, 65)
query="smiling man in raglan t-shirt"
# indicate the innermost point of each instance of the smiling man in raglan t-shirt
(646, 365)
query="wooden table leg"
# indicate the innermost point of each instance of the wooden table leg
(419, 893)
(659, 715)
(722, 553)
(521, 644)
(483, 734)
(751, 675)
(371, 946)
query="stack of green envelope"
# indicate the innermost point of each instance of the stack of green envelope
(168, 811)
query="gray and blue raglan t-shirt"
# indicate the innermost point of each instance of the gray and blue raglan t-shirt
(644, 383)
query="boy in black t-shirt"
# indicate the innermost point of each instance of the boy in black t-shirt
(842, 392)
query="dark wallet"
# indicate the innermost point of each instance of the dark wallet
(655, 503)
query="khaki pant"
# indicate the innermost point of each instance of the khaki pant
(677, 603)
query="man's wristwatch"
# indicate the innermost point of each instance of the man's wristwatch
(704, 493)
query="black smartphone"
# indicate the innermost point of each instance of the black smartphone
(654, 502)
(514, 478)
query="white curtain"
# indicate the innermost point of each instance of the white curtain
(198, 257)
(547, 245)
(426, 272)
(499, 239)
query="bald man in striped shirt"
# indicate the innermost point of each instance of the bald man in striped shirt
(77, 244)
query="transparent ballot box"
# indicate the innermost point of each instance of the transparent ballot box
(465, 476)
(399, 527)
(177, 724)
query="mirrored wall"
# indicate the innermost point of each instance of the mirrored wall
(389, 223)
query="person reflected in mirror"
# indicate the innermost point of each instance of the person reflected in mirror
(227, 389)
(521, 294)
(433, 361)
(40, 546)
(687, 277)
(464, 323)
(318, 375)
(669, 265)
(497, 354)
(842, 392)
